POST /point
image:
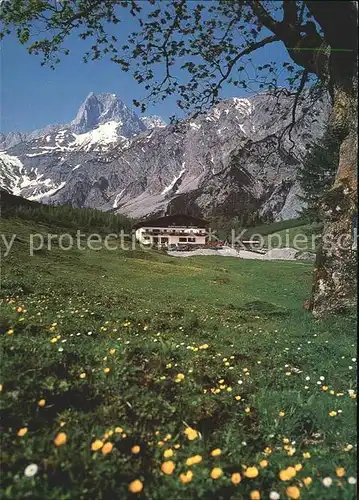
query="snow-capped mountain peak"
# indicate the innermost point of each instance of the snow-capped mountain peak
(95, 111)
(104, 135)
(98, 109)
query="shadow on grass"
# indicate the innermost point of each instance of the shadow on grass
(263, 308)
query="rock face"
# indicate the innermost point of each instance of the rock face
(153, 121)
(234, 160)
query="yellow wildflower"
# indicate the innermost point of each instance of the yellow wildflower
(186, 477)
(298, 467)
(60, 439)
(196, 459)
(107, 370)
(216, 452)
(293, 492)
(168, 453)
(306, 454)
(191, 433)
(216, 473)
(236, 478)
(287, 474)
(251, 472)
(168, 467)
(135, 486)
(135, 449)
(107, 448)
(21, 432)
(263, 463)
(255, 495)
(97, 445)
(42, 402)
(307, 481)
(340, 471)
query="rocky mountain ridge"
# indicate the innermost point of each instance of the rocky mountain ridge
(236, 159)
(96, 110)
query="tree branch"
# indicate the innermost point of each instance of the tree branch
(339, 21)
(291, 35)
(290, 127)
(290, 12)
(246, 51)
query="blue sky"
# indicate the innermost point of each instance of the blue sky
(33, 96)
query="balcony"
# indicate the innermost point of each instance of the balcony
(173, 232)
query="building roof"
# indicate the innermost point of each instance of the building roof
(172, 220)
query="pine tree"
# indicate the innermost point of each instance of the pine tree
(317, 173)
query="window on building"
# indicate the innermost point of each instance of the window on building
(191, 240)
(182, 240)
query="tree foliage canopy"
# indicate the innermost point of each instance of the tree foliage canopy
(317, 172)
(210, 42)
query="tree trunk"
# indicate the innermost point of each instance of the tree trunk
(335, 284)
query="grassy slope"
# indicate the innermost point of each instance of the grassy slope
(294, 233)
(156, 311)
(300, 238)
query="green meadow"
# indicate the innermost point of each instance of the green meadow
(132, 374)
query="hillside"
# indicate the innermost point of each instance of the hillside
(63, 216)
(127, 371)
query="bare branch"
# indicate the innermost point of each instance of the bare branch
(246, 51)
(294, 109)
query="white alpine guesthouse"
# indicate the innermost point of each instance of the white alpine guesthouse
(172, 230)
